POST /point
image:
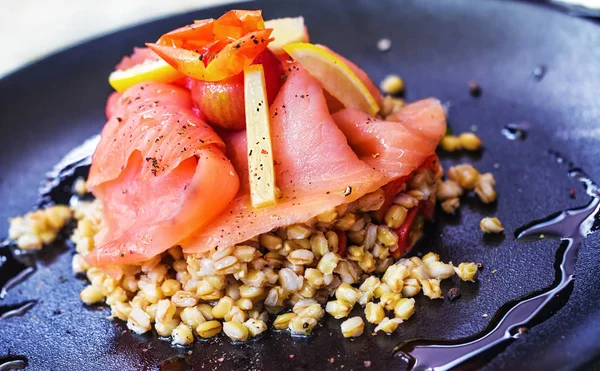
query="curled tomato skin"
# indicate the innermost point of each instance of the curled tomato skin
(246, 20)
(225, 63)
(198, 31)
(230, 26)
(215, 49)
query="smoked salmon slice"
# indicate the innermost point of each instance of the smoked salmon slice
(395, 148)
(315, 169)
(139, 56)
(157, 120)
(160, 173)
(334, 104)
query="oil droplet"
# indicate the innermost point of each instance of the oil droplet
(17, 265)
(514, 131)
(539, 72)
(384, 44)
(404, 357)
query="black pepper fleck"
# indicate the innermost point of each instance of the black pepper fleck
(453, 293)
(474, 89)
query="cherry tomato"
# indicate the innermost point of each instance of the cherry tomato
(222, 102)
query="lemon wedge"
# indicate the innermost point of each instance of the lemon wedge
(335, 76)
(149, 70)
(286, 31)
(258, 135)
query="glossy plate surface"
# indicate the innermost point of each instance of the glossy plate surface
(50, 107)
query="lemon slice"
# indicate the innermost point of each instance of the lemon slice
(149, 70)
(335, 76)
(261, 166)
(286, 31)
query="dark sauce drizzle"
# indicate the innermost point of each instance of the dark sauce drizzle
(512, 320)
(17, 265)
(57, 188)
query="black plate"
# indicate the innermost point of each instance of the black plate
(438, 47)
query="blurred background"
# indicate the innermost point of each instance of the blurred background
(31, 29)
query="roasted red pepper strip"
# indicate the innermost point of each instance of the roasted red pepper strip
(390, 191)
(394, 187)
(342, 243)
(427, 209)
(403, 233)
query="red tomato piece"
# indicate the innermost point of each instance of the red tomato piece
(403, 233)
(199, 31)
(342, 243)
(213, 50)
(222, 102)
(427, 209)
(431, 162)
(228, 62)
(246, 20)
(390, 191)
